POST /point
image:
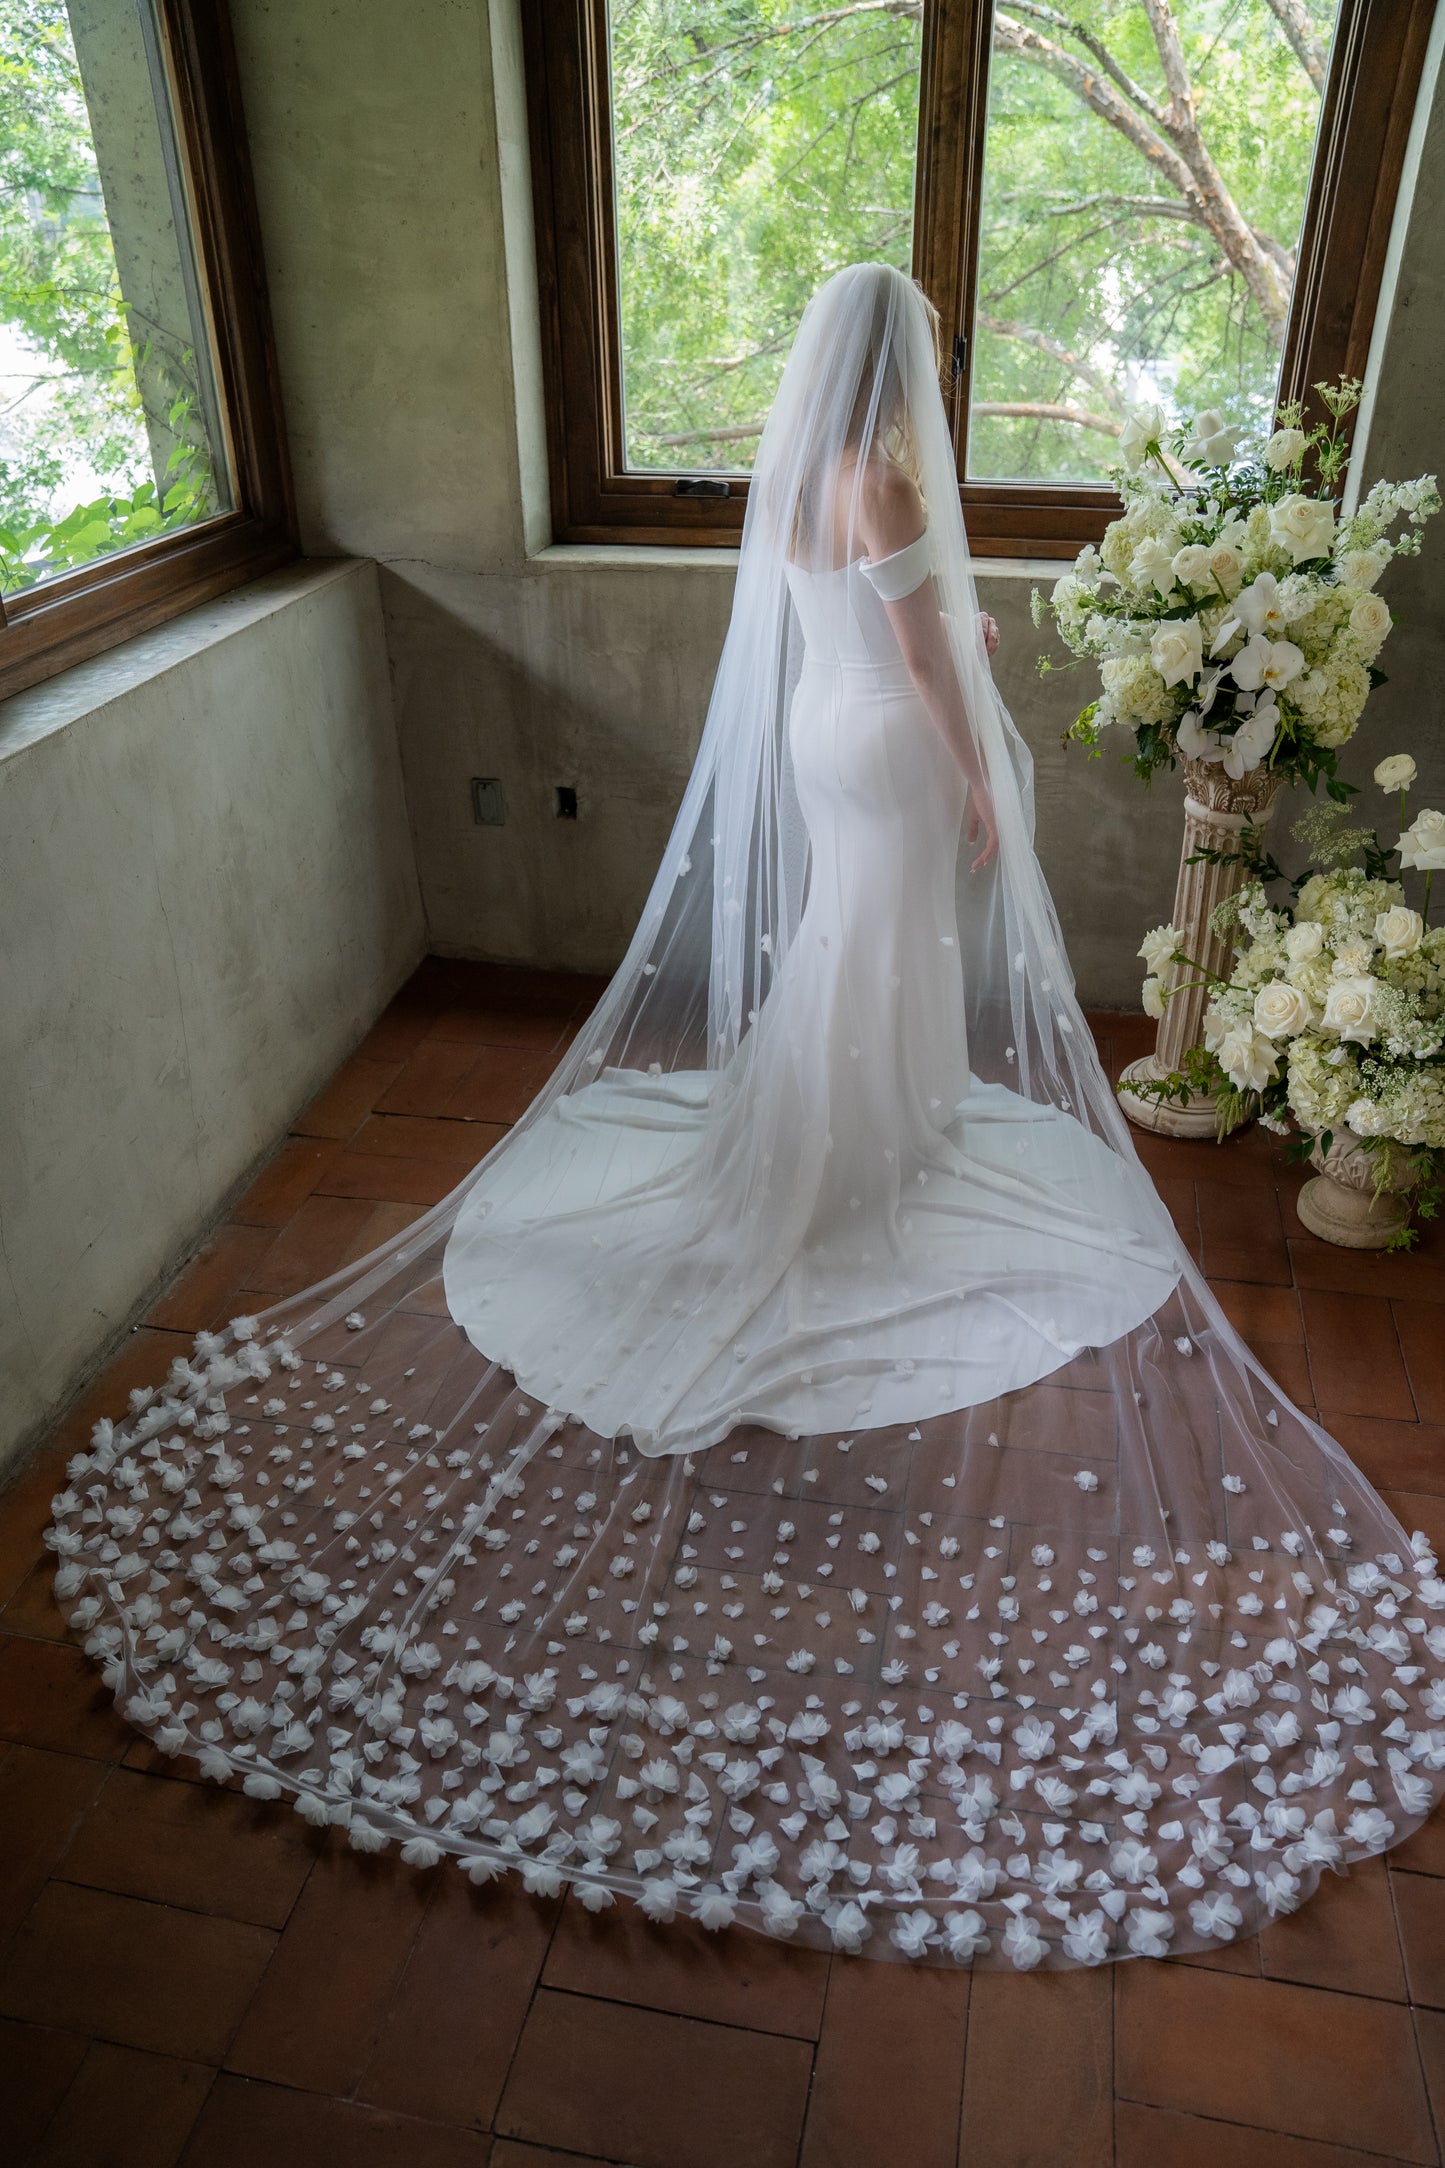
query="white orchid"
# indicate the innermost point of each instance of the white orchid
(1263, 662)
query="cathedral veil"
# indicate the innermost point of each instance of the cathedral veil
(799, 1478)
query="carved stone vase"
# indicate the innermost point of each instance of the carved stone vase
(1339, 1203)
(1216, 809)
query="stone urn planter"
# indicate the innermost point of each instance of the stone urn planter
(1216, 810)
(1339, 1203)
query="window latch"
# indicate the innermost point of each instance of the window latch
(960, 356)
(702, 485)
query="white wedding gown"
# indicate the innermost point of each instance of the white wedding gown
(910, 1239)
(799, 1478)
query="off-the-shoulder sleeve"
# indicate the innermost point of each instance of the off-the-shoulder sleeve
(896, 576)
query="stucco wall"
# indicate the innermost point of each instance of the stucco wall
(393, 192)
(209, 893)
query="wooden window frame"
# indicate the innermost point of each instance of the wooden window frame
(1369, 101)
(46, 628)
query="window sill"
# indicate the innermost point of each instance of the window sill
(577, 556)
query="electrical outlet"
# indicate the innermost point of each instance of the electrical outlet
(489, 809)
(566, 802)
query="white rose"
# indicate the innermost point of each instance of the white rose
(1152, 998)
(1177, 650)
(1226, 566)
(1246, 1057)
(1280, 1010)
(1303, 942)
(1370, 618)
(1350, 1009)
(1396, 773)
(1145, 426)
(1191, 565)
(1157, 948)
(1286, 448)
(1361, 568)
(1304, 525)
(1262, 662)
(1423, 843)
(1399, 930)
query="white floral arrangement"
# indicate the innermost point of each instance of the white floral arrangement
(1333, 1014)
(1231, 609)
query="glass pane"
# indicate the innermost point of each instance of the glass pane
(1125, 255)
(758, 145)
(110, 430)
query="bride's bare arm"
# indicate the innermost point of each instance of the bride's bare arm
(890, 516)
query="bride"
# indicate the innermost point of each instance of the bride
(799, 1478)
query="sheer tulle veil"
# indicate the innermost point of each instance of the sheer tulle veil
(679, 1511)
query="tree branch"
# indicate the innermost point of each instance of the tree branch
(1135, 92)
(1004, 327)
(1041, 410)
(1295, 24)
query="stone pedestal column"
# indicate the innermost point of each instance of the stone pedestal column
(1215, 811)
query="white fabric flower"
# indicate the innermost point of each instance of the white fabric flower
(1396, 773)
(1423, 843)
(1305, 526)
(1350, 1006)
(1281, 1010)
(1177, 650)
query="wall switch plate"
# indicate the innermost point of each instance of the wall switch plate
(489, 808)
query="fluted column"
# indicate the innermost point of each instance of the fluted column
(1216, 809)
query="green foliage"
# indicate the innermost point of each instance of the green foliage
(761, 144)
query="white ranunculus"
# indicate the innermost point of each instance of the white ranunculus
(1396, 773)
(1286, 448)
(1145, 426)
(1252, 741)
(1423, 843)
(1158, 946)
(1191, 565)
(1213, 443)
(1305, 526)
(1152, 565)
(1152, 998)
(1303, 942)
(1246, 1056)
(1361, 568)
(1399, 930)
(1177, 650)
(1259, 608)
(1350, 1009)
(1370, 618)
(1280, 1010)
(1264, 662)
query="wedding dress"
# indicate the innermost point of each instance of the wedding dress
(800, 1477)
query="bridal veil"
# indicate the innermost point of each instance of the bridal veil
(799, 1478)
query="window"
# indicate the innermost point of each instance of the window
(1176, 200)
(142, 466)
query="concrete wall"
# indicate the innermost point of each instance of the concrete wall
(209, 894)
(394, 201)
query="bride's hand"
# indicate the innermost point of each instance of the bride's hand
(989, 630)
(981, 822)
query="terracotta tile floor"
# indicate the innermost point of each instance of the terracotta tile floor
(188, 1977)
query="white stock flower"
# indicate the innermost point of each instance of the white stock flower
(1399, 930)
(1286, 448)
(1151, 999)
(1302, 943)
(1157, 947)
(1280, 1010)
(1213, 443)
(1396, 773)
(1350, 1009)
(1304, 525)
(1145, 426)
(1264, 662)
(1177, 650)
(1423, 843)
